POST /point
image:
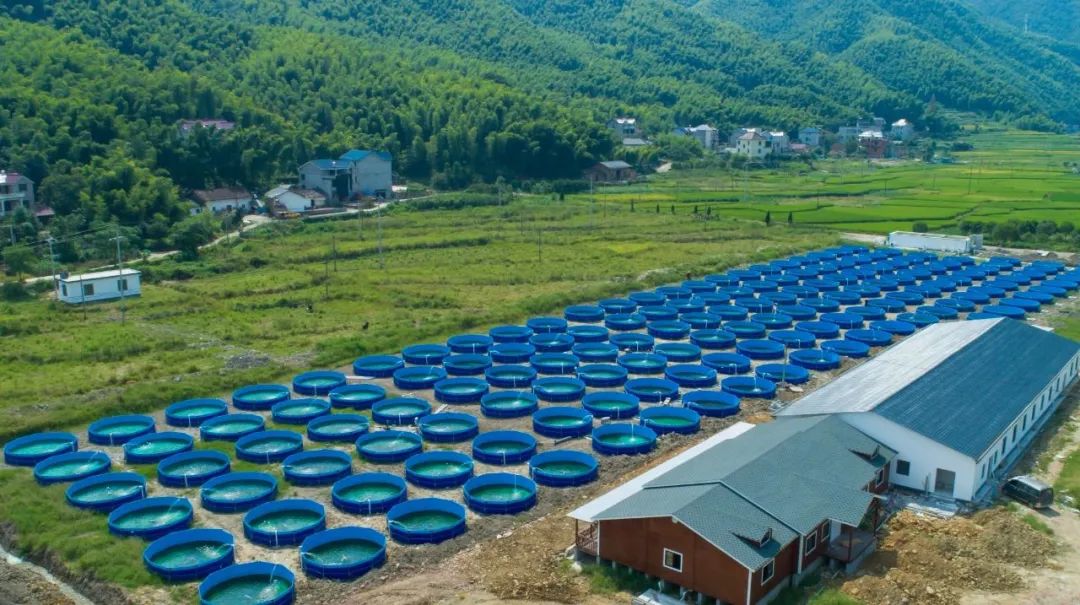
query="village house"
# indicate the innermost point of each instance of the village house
(779, 141)
(707, 136)
(285, 198)
(616, 171)
(847, 133)
(98, 286)
(874, 144)
(189, 126)
(902, 130)
(635, 142)
(223, 199)
(16, 191)
(357, 173)
(624, 128)
(754, 145)
(874, 124)
(810, 136)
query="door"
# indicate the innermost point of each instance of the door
(944, 481)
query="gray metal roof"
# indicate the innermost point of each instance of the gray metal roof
(961, 384)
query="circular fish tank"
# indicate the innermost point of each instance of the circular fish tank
(815, 359)
(547, 325)
(416, 378)
(846, 321)
(344, 553)
(1025, 304)
(783, 373)
(317, 467)
(388, 446)
(920, 320)
(461, 390)
(500, 494)
(563, 468)
(643, 363)
(259, 397)
(508, 404)
(713, 340)
(106, 491)
(299, 411)
(586, 334)
(847, 348)
(284, 522)
(653, 390)
(515, 334)
(691, 376)
(868, 313)
(666, 419)
(426, 521)
(669, 330)
(194, 412)
(745, 329)
(424, 355)
(659, 313)
(466, 364)
(793, 339)
(585, 314)
(602, 375)
(873, 338)
(595, 352)
(155, 447)
(337, 428)
(632, 342)
(151, 518)
(646, 299)
(607, 404)
(357, 396)
(730, 312)
(438, 470)
(964, 306)
(368, 493)
(31, 449)
(895, 327)
(118, 430)
(237, 492)
(189, 555)
(760, 349)
(715, 404)
(503, 447)
(561, 422)
(318, 382)
(702, 321)
(727, 363)
(231, 427)
(377, 366)
(512, 352)
(399, 411)
(1004, 311)
(554, 363)
(623, 438)
(625, 322)
(510, 376)
(269, 446)
(679, 352)
(257, 583)
(448, 427)
(71, 467)
(618, 305)
(819, 329)
(749, 386)
(773, 321)
(470, 343)
(192, 469)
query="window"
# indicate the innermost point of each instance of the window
(672, 560)
(824, 532)
(121, 284)
(63, 289)
(88, 289)
(768, 571)
(879, 477)
(1014, 432)
(811, 543)
(1023, 427)
(903, 467)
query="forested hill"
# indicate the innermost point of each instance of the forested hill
(1059, 19)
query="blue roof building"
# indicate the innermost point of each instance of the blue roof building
(357, 173)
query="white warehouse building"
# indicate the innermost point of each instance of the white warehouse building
(101, 285)
(959, 402)
(935, 242)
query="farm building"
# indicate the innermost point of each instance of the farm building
(224, 199)
(959, 402)
(935, 242)
(616, 171)
(101, 285)
(745, 513)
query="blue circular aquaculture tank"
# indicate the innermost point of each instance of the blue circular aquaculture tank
(118, 430)
(993, 291)
(151, 518)
(939, 311)
(461, 390)
(510, 376)
(259, 397)
(666, 419)
(780, 298)
(797, 312)
(106, 491)
(269, 446)
(626, 322)
(847, 348)
(237, 492)
(793, 339)
(547, 325)
(426, 521)
(691, 375)
(555, 342)
(697, 286)
(192, 469)
(466, 364)
(586, 334)
(439, 470)
(653, 390)
(675, 292)
(895, 327)
(602, 375)
(846, 321)
(607, 404)
(783, 373)
(819, 329)
(284, 522)
(595, 352)
(512, 352)
(585, 314)
(815, 359)
(299, 411)
(772, 321)
(340, 428)
(645, 299)
(357, 396)
(669, 330)
(563, 468)
(424, 355)
(889, 305)
(760, 349)
(919, 319)
(416, 378)
(821, 305)
(510, 334)
(715, 404)
(554, 363)
(873, 338)
(756, 305)
(721, 279)
(702, 321)
(745, 329)
(387, 447)
(399, 411)
(476, 344)
(1004, 311)
(1052, 290)
(1028, 305)
(713, 340)
(802, 292)
(71, 467)
(621, 438)
(231, 427)
(503, 447)
(633, 342)
(31, 449)
(368, 493)
(257, 583)
(561, 422)
(618, 305)
(343, 553)
(317, 467)
(377, 366)
(643, 363)
(448, 427)
(659, 313)
(749, 386)
(727, 363)
(508, 404)
(690, 305)
(960, 304)
(845, 298)
(194, 412)
(318, 382)
(155, 447)
(867, 313)
(500, 494)
(679, 352)
(864, 290)
(191, 554)
(975, 296)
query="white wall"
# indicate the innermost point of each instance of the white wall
(372, 174)
(230, 204)
(105, 288)
(918, 241)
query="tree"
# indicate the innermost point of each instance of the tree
(768, 218)
(920, 227)
(790, 218)
(19, 259)
(191, 233)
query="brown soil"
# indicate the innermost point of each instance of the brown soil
(22, 586)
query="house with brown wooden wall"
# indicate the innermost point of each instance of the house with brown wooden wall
(750, 510)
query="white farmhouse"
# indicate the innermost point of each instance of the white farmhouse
(780, 142)
(753, 145)
(357, 173)
(284, 198)
(810, 136)
(101, 285)
(935, 242)
(224, 199)
(16, 191)
(902, 130)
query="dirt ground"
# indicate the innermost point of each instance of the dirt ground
(20, 585)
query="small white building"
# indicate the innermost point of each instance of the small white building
(101, 285)
(16, 191)
(848, 133)
(707, 136)
(753, 145)
(224, 199)
(284, 198)
(624, 128)
(810, 136)
(935, 242)
(902, 130)
(779, 141)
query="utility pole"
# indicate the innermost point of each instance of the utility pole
(52, 262)
(120, 277)
(539, 250)
(11, 228)
(333, 246)
(378, 229)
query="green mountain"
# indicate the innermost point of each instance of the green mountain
(1058, 19)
